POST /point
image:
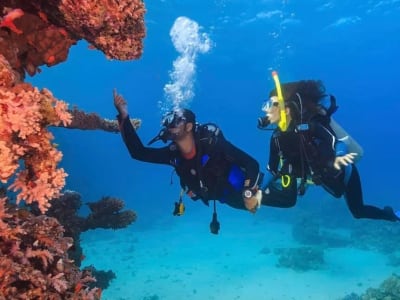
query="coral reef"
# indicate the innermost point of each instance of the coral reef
(388, 290)
(106, 213)
(103, 278)
(301, 259)
(25, 114)
(35, 33)
(33, 259)
(33, 251)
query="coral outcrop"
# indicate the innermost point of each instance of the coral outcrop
(35, 33)
(33, 251)
(388, 290)
(106, 213)
(25, 114)
(34, 262)
(301, 259)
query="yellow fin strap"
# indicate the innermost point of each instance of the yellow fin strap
(282, 122)
(285, 180)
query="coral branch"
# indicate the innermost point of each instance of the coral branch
(92, 121)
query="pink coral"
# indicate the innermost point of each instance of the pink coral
(25, 114)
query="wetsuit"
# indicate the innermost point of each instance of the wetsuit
(217, 172)
(310, 154)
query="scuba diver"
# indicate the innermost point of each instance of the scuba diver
(209, 166)
(304, 145)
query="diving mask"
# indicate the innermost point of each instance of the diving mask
(267, 105)
(173, 119)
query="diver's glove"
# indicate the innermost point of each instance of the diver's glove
(252, 199)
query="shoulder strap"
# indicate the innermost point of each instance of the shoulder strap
(208, 133)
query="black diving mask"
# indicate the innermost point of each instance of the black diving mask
(173, 119)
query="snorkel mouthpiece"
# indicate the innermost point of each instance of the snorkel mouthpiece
(282, 123)
(163, 135)
(263, 122)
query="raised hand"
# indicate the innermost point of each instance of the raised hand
(120, 104)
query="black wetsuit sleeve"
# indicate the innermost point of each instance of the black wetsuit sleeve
(136, 148)
(242, 159)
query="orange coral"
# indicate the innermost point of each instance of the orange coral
(32, 270)
(115, 27)
(25, 114)
(35, 33)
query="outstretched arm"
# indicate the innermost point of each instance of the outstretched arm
(132, 141)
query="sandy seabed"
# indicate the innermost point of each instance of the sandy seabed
(179, 259)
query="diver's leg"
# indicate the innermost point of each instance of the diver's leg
(354, 200)
(274, 194)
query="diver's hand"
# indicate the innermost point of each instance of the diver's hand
(120, 104)
(253, 203)
(344, 160)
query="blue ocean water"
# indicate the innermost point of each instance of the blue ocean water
(352, 46)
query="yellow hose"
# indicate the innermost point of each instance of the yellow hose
(282, 122)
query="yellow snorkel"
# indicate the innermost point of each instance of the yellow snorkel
(282, 123)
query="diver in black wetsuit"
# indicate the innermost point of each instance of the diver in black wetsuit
(209, 167)
(308, 149)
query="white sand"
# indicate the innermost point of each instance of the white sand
(184, 261)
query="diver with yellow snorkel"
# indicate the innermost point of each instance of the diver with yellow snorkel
(305, 146)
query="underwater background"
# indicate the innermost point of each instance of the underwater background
(224, 75)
